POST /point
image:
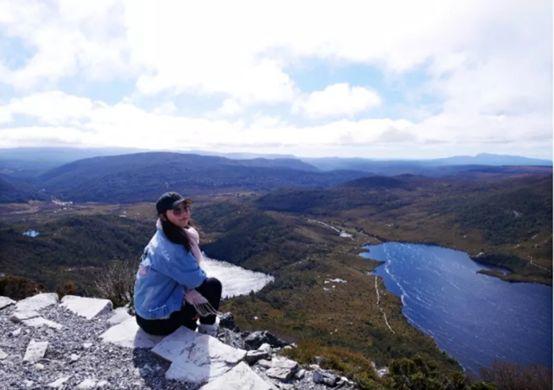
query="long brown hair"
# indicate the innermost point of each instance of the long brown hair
(174, 233)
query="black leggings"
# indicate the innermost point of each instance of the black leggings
(210, 289)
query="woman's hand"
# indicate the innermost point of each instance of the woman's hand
(194, 298)
(200, 304)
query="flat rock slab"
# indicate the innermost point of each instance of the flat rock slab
(240, 377)
(86, 307)
(59, 383)
(5, 301)
(40, 321)
(35, 350)
(21, 315)
(119, 315)
(87, 384)
(196, 358)
(128, 334)
(37, 302)
(282, 368)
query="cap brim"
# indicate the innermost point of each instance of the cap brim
(178, 202)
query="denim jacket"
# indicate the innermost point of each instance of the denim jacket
(166, 271)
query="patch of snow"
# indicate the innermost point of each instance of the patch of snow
(31, 233)
(235, 280)
(336, 280)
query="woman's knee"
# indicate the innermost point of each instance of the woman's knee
(214, 284)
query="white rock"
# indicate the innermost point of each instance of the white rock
(86, 307)
(241, 377)
(87, 345)
(5, 301)
(196, 358)
(128, 334)
(35, 350)
(264, 363)
(173, 345)
(74, 357)
(16, 332)
(282, 368)
(28, 383)
(40, 321)
(39, 366)
(102, 383)
(59, 382)
(87, 384)
(265, 347)
(120, 315)
(3, 355)
(20, 315)
(382, 372)
(37, 302)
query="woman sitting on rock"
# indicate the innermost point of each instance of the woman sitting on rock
(170, 287)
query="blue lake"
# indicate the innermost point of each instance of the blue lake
(475, 318)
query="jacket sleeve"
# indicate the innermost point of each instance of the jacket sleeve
(183, 269)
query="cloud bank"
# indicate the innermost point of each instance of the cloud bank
(401, 79)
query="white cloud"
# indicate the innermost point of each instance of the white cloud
(337, 100)
(488, 63)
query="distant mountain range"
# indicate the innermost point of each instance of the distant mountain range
(143, 176)
(429, 167)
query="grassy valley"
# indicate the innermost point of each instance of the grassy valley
(324, 297)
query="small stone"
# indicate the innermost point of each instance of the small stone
(35, 351)
(87, 345)
(21, 315)
(74, 357)
(325, 378)
(382, 372)
(253, 356)
(282, 368)
(102, 383)
(300, 373)
(28, 383)
(16, 332)
(58, 383)
(265, 347)
(3, 355)
(39, 366)
(227, 320)
(264, 363)
(256, 339)
(87, 384)
(40, 321)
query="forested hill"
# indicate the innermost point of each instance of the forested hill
(143, 176)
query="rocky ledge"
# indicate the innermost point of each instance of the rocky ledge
(81, 343)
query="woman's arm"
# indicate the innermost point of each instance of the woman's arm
(184, 269)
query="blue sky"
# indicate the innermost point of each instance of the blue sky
(395, 80)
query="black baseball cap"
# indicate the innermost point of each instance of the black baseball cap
(169, 200)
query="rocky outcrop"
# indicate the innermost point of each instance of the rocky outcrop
(82, 343)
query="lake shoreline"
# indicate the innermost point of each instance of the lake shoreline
(459, 319)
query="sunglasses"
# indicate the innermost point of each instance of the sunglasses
(180, 210)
